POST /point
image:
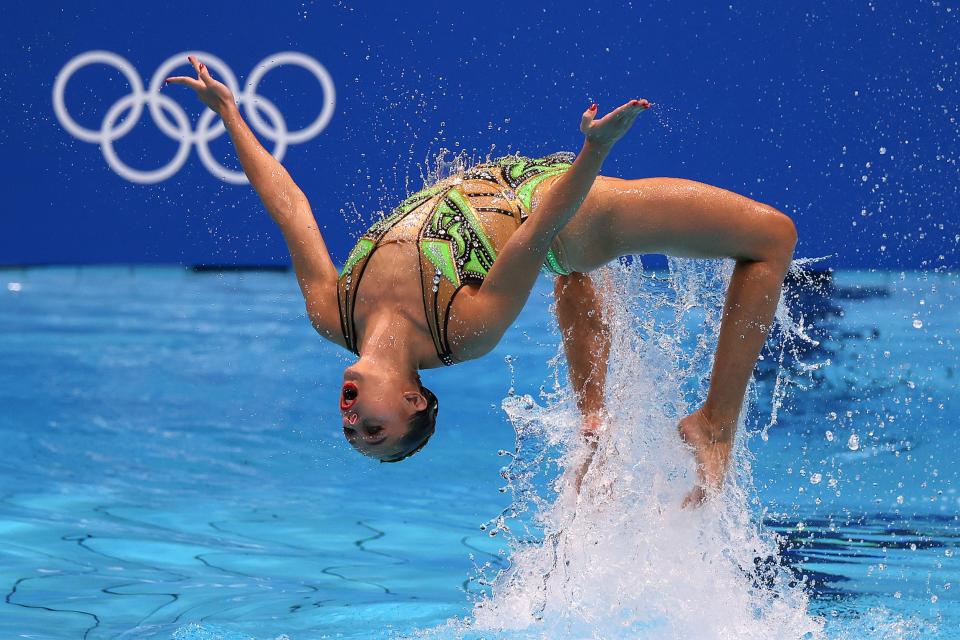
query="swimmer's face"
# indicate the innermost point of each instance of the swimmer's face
(376, 411)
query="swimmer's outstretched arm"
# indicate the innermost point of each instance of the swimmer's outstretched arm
(482, 319)
(283, 199)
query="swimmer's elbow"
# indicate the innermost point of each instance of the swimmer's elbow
(289, 206)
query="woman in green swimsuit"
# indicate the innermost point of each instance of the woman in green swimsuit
(441, 278)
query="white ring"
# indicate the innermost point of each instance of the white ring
(96, 57)
(136, 175)
(161, 105)
(320, 73)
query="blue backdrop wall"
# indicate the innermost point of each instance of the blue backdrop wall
(843, 114)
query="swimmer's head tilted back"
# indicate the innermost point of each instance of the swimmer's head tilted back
(386, 416)
(421, 426)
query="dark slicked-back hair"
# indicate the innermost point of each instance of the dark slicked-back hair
(422, 425)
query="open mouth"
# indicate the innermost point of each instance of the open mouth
(348, 395)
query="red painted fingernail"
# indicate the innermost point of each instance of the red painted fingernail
(593, 106)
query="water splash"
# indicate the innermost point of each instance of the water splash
(622, 559)
(445, 164)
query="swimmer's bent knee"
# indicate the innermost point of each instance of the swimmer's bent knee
(786, 233)
(780, 234)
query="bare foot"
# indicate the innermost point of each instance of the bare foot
(590, 430)
(711, 445)
(584, 467)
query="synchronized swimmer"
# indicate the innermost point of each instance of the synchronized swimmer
(443, 276)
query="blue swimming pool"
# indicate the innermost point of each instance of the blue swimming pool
(172, 467)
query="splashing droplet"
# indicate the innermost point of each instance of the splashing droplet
(854, 442)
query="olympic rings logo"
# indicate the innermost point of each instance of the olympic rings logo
(173, 121)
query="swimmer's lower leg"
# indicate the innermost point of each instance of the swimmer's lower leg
(586, 342)
(750, 305)
(751, 302)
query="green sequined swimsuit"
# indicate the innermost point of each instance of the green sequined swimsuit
(466, 220)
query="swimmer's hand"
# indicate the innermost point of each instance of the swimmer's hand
(211, 92)
(611, 127)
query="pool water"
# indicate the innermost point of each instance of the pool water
(172, 467)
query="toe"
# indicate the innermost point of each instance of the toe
(695, 498)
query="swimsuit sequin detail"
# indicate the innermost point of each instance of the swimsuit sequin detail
(467, 219)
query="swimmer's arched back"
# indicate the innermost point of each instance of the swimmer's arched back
(443, 277)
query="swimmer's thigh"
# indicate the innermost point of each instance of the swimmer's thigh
(677, 217)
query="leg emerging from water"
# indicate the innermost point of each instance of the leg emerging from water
(748, 313)
(685, 218)
(586, 343)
